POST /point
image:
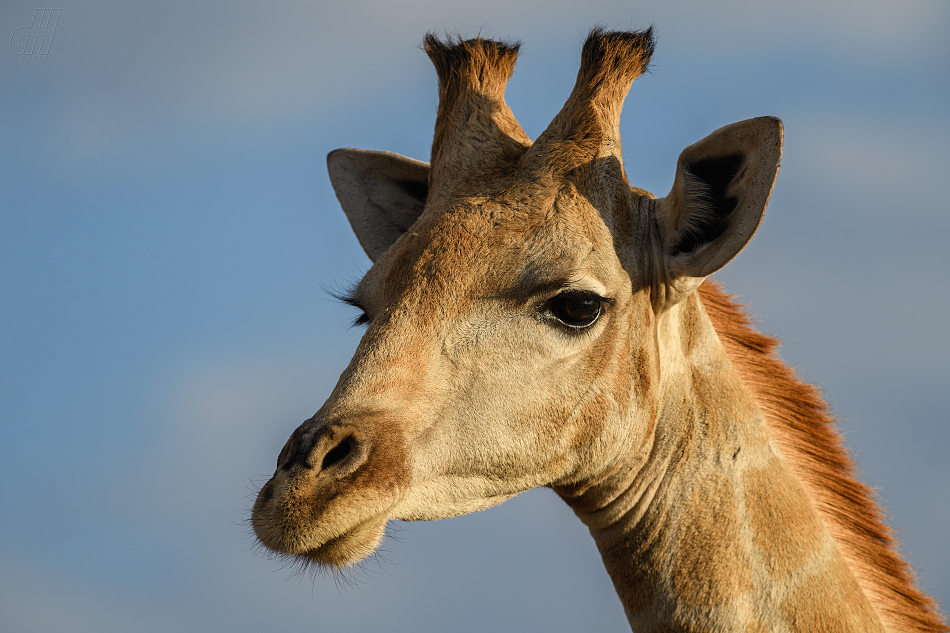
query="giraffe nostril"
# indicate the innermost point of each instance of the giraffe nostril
(338, 453)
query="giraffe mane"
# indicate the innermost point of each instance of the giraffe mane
(802, 425)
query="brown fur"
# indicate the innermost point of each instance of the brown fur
(804, 429)
(700, 576)
(475, 131)
(586, 128)
(775, 526)
(471, 385)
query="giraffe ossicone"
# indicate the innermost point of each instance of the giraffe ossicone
(535, 320)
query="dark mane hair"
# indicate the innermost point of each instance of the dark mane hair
(802, 426)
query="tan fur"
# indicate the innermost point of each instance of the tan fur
(712, 531)
(710, 478)
(799, 420)
(770, 501)
(472, 78)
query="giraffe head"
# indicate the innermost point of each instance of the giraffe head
(512, 304)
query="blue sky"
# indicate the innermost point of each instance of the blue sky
(167, 231)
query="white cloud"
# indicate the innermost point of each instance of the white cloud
(131, 76)
(897, 171)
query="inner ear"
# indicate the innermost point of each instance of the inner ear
(707, 185)
(719, 195)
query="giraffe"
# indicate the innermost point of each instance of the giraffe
(535, 320)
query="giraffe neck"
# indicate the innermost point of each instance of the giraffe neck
(712, 532)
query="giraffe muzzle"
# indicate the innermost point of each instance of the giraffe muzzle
(334, 449)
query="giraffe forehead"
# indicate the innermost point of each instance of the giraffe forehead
(492, 246)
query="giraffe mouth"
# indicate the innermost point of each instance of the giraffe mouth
(330, 529)
(311, 544)
(347, 549)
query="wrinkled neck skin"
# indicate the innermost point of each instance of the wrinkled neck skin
(701, 524)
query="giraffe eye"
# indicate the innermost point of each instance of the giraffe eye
(576, 309)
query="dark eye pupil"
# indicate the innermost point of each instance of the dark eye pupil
(576, 311)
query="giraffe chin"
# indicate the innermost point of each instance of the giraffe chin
(348, 549)
(338, 552)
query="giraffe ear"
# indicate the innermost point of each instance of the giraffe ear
(719, 195)
(381, 193)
